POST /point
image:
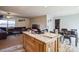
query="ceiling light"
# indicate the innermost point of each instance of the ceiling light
(8, 15)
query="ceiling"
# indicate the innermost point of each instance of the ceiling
(32, 11)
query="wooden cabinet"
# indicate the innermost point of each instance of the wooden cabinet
(32, 45)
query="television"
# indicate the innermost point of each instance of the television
(35, 26)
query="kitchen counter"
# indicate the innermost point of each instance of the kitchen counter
(46, 37)
(50, 40)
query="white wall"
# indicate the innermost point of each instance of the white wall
(25, 23)
(45, 22)
(50, 23)
(69, 22)
(40, 20)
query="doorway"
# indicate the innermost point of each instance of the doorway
(57, 24)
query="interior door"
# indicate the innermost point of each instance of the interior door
(57, 24)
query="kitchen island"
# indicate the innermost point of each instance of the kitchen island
(47, 42)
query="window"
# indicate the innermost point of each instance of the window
(9, 23)
(3, 23)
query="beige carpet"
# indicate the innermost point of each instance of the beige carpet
(11, 40)
(16, 48)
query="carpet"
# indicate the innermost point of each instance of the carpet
(16, 48)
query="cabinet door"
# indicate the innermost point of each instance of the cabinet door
(32, 44)
(28, 43)
(40, 46)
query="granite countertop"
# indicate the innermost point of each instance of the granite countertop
(46, 37)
